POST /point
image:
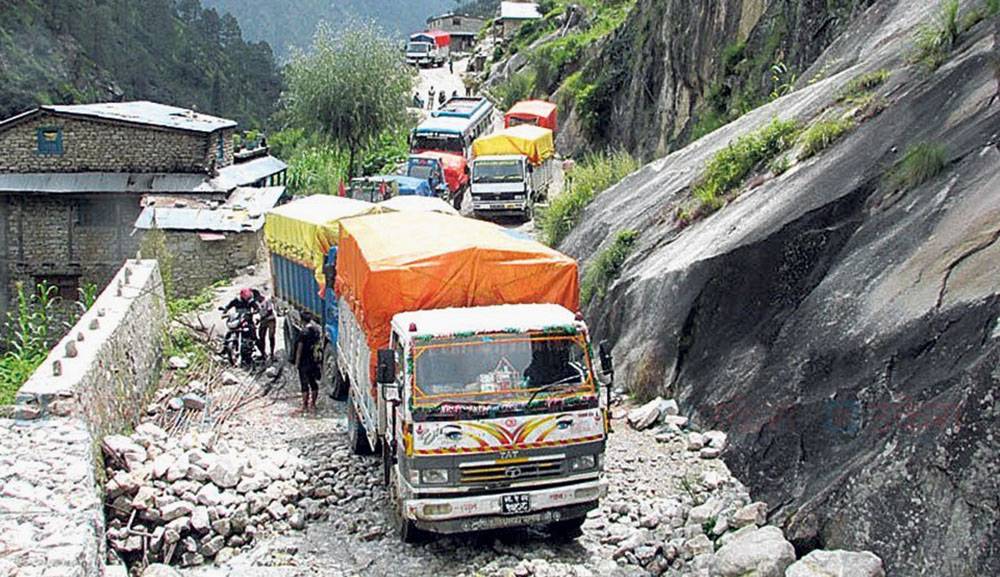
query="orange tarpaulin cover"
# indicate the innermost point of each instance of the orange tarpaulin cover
(537, 112)
(397, 262)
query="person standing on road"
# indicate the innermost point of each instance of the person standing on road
(307, 362)
(451, 65)
(268, 324)
(430, 98)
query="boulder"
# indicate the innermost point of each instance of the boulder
(643, 417)
(193, 402)
(176, 510)
(144, 498)
(128, 450)
(209, 495)
(178, 363)
(695, 441)
(229, 379)
(225, 472)
(160, 570)
(838, 563)
(161, 465)
(175, 404)
(698, 545)
(213, 546)
(704, 512)
(752, 514)
(716, 439)
(200, 521)
(763, 552)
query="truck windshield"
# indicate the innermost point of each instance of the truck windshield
(501, 369)
(423, 171)
(436, 142)
(487, 171)
(418, 47)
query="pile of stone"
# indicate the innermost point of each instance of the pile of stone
(190, 500)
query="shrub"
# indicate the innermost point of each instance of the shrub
(590, 177)
(859, 87)
(921, 163)
(935, 39)
(28, 330)
(518, 87)
(731, 165)
(607, 266)
(822, 134)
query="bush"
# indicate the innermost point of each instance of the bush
(921, 163)
(731, 165)
(860, 86)
(28, 330)
(822, 134)
(518, 87)
(592, 176)
(934, 40)
(607, 266)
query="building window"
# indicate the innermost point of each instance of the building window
(66, 285)
(95, 213)
(220, 150)
(456, 21)
(50, 141)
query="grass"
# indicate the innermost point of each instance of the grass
(607, 266)
(861, 86)
(518, 87)
(935, 39)
(592, 175)
(821, 134)
(733, 164)
(28, 329)
(182, 306)
(921, 163)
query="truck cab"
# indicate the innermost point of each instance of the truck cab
(447, 174)
(490, 417)
(502, 185)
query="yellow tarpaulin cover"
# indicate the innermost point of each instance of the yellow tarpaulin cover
(408, 261)
(304, 230)
(534, 142)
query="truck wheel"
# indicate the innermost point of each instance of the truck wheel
(567, 529)
(356, 436)
(332, 380)
(404, 528)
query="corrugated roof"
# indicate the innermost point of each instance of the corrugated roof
(147, 113)
(247, 173)
(243, 212)
(519, 11)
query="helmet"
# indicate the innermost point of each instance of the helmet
(246, 294)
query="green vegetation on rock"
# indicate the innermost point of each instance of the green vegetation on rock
(592, 176)
(607, 266)
(821, 134)
(935, 39)
(921, 163)
(733, 164)
(859, 87)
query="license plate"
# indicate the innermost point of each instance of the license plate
(515, 504)
(510, 206)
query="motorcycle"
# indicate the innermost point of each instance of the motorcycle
(241, 339)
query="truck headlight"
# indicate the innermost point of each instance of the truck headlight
(434, 476)
(518, 197)
(583, 462)
(435, 510)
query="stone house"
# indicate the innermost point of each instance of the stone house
(74, 180)
(513, 15)
(462, 27)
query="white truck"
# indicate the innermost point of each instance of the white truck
(486, 415)
(511, 171)
(432, 48)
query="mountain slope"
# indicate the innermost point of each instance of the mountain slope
(837, 314)
(75, 51)
(287, 23)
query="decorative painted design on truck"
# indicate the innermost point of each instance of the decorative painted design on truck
(506, 434)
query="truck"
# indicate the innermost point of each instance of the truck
(469, 374)
(431, 48)
(535, 112)
(512, 169)
(446, 173)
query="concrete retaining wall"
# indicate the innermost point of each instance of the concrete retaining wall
(94, 382)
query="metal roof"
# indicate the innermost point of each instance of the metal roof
(488, 319)
(229, 178)
(452, 124)
(140, 112)
(243, 212)
(519, 11)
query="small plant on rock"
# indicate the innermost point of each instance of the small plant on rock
(860, 87)
(921, 163)
(935, 39)
(607, 266)
(822, 134)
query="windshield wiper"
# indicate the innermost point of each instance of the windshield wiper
(561, 383)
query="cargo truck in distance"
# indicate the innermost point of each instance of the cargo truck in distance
(512, 169)
(430, 48)
(469, 374)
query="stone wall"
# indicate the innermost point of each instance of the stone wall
(102, 146)
(198, 263)
(94, 382)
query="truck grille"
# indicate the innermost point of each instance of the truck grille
(493, 197)
(511, 470)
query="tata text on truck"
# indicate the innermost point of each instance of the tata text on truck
(469, 373)
(430, 48)
(512, 169)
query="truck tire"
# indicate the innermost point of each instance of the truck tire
(567, 529)
(356, 436)
(404, 528)
(332, 380)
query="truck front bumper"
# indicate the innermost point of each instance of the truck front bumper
(481, 512)
(500, 206)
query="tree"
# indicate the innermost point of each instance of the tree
(351, 86)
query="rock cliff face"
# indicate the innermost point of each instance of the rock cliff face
(844, 332)
(655, 75)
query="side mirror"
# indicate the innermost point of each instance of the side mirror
(385, 371)
(607, 363)
(391, 393)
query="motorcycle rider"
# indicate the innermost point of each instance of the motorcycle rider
(245, 304)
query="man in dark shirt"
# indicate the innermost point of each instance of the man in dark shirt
(308, 362)
(267, 324)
